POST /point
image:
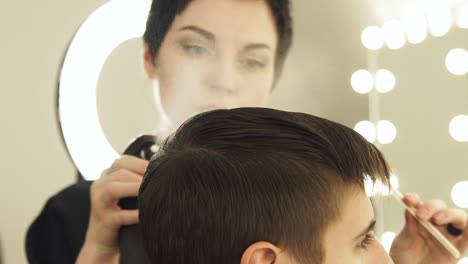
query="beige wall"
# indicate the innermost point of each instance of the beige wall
(33, 161)
(35, 34)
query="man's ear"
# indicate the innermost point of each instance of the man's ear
(148, 61)
(260, 253)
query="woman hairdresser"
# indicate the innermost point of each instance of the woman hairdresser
(202, 55)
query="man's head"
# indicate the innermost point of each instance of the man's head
(211, 54)
(256, 185)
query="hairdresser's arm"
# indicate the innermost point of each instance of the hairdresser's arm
(414, 245)
(123, 179)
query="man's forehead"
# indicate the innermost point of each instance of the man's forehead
(356, 213)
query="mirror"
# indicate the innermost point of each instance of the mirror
(315, 78)
(426, 98)
(326, 50)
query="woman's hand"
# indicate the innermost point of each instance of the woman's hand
(415, 245)
(121, 180)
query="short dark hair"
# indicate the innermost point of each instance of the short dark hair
(229, 178)
(163, 12)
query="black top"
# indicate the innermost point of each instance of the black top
(58, 233)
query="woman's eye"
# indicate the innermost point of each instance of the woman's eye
(366, 241)
(195, 49)
(254, 64)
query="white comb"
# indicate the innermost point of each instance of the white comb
(429, 226)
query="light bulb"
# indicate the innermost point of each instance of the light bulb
(393, 34)
(456, 61)
(415, 24)
(394, 181)
(439, 18)
(460, 194)
(362, 81)
(371, 38)
(105, 29)
(387, 240)
(463, 19)
(369, 186)
(458, 128)
(366, 129)
(384, 81)
(386, 132)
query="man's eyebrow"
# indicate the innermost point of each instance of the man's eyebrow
(206, 34)
(367, 229)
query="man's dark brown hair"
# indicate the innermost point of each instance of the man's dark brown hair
(229, 178)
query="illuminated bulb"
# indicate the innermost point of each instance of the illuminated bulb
(105, 29)
(463, 19)
(362, 81)
(369, 186)
(439, 18)
(386, 132)
(378, 188)
(415, 24)
(387, 240)
(394, 181)
(457, 61)
(458, 128)
(366, 129)
(393, 34)
(382, 189)
(460, 194)
(371, 38)
(463, 261)
(384, 81)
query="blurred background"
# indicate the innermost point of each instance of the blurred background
(399, 66)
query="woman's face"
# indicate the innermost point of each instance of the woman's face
(216, 54)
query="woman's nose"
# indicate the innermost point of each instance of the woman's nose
(222, 77)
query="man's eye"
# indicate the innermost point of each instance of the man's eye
(366, 241)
